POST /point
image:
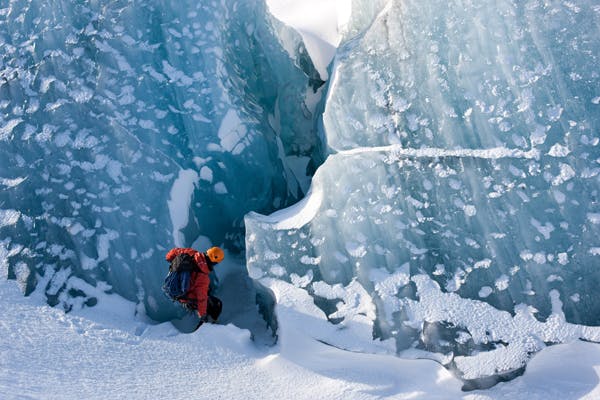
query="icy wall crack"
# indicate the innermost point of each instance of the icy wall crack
(127, 128)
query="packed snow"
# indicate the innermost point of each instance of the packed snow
(105, 353)
(320, 23)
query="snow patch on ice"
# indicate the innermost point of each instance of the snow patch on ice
(233, 133)
(182, 192)
(398, 152)
(11, 182)
(523, 333)
(9, 217)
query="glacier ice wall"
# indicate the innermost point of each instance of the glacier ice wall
(128, 127)
(461, 195)
(457, 216)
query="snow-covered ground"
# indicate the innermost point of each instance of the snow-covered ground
(104, 353)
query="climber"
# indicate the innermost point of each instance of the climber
(197, 296)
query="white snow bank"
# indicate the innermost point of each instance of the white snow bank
(295, 216)
(319, 22)
(105, 353)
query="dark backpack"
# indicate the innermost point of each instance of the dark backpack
(177, 281)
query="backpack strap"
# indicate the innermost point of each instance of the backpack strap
(188, 304)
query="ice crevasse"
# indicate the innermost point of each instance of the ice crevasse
(456, 216)
(130, 127)
(450, 165)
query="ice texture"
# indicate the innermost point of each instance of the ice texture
(460, 198)
(456, 216)
(129, 127)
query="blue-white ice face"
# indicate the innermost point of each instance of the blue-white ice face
(127, 128)
(462, 194)
(457, 213)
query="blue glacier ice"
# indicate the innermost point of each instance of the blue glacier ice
(130, 127)
(460, 197)
(454, 153)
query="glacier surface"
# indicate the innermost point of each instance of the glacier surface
(453, 213)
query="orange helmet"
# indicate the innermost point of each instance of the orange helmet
(215, 254)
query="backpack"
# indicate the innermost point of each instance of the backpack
(177, 281)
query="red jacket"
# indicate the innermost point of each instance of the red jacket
(198, 291)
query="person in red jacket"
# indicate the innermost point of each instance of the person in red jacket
(197, 297)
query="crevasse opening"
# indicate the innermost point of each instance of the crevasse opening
(130, 128)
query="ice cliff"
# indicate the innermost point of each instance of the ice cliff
(130, 127)
(457, 215)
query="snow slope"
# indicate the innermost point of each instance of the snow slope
(320, 24)
(106, 354)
